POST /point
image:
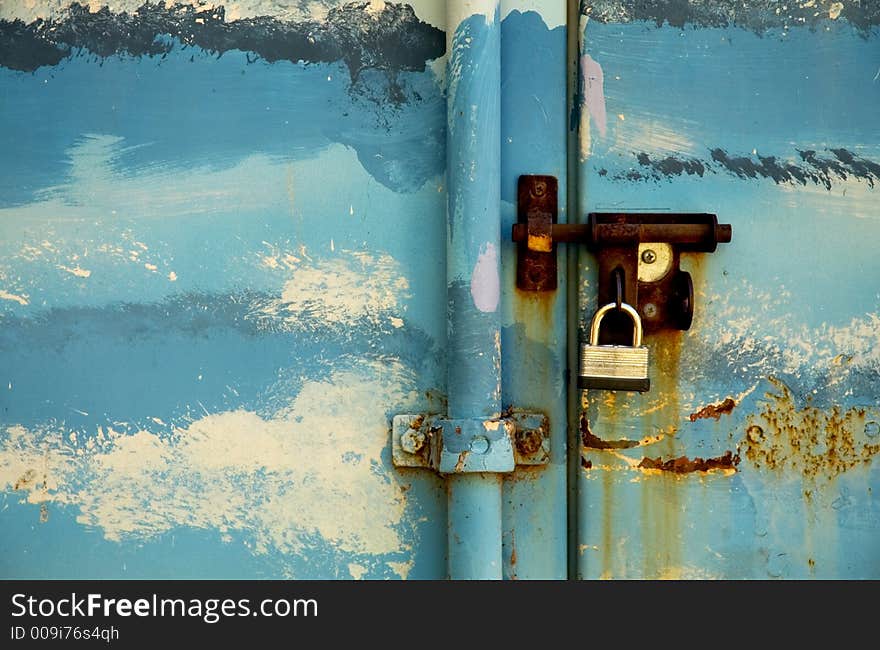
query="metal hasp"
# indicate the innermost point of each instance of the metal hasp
(642, 250)
(451, 446)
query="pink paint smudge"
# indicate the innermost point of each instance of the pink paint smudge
(594, 91)
(485, 283)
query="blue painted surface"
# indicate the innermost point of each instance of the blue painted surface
(165, 225)
(785, 320)
(533, 335)
(473, 290)
(222, 276)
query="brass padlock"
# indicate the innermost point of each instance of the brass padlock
(614, 367)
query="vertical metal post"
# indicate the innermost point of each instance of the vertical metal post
(473, 287)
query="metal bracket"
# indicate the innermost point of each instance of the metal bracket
(472, 445)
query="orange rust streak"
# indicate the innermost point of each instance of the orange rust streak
(714, 410)
(591, 441)
(684, 465)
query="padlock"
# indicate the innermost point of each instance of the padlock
(614, 367)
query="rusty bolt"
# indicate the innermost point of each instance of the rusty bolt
(412, 441)
(540, 188)
(528, 441)
(649, 256)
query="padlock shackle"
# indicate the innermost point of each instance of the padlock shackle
(600, 314)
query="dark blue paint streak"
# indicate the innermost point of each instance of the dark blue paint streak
(191, 108)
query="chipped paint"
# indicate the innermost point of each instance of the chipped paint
(809, 441)
(684, 465)
(714, 411)
(20, 299)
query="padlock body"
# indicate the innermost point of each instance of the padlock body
(614, 367)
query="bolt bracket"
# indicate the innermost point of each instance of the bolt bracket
(642, 249)
(455, 446)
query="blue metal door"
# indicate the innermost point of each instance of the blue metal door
(755, 453)
(239, 239)
(223, 233)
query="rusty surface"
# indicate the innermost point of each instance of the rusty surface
(685, 465)
(586, 463)
(592, 441)
(528, 441)
(698, 232)
(714, 411)
(807, 440)
(537, 211)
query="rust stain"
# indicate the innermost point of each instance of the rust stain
(462, 457)
(534, 310)
(528, 441)
(809, 441)
(513, 547)
(684, 465)
(586, 463)
(713, 410)
(591, 441)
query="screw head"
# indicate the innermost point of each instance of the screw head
(649, 256)
(650, 310)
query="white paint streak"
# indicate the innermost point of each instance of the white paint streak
(553, 12)
(345, 291)
(21, 300)
(277, 480)
(738, 331)
(485, 283)
(594, 92)
(584, 137)
(460, 10)
(76, 270)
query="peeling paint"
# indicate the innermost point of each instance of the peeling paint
(714, 411)
(685, 465)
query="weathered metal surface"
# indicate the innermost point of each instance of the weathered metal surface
(210, 300)
(754, 456)
(537, 209)
(473, 445)
(534, 123)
